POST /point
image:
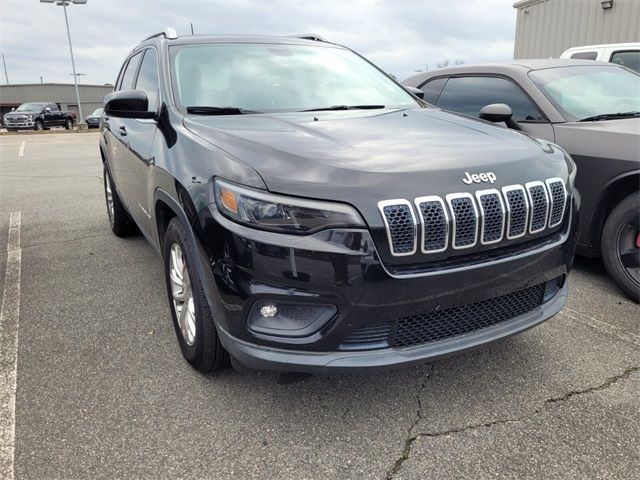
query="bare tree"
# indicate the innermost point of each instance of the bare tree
(447, 62)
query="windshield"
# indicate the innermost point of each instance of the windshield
(31, 107)
(270, 78)
(97, 112)
(588, 91)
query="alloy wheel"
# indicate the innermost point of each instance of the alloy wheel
(182, 295)
(628, 247)
(109, 194)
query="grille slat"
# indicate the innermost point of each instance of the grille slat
(366, 338)
(464, 219)
(401, 226)
(435, 224)
(558, 199)
(492, 213)
(433, 326)
(517, 211)
(539, 201)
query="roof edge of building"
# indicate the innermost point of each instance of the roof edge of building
(57, 83)
(527, 3)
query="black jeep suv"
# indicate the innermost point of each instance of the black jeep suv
(312, 214)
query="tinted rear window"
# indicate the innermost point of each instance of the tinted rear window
(585, 55)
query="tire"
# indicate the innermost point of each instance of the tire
(620, 247)
(119, 219)
(198, 338)
(38, 125)
(68, 124)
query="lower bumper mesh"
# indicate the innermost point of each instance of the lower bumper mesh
(430, 327)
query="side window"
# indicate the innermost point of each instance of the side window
(148, 78)
(130, 73)
(585, 55)
(467, 95)
(433, 89)
(629, 59)
(53, 107)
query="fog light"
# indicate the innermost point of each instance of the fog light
(289, 319)
(268, 311)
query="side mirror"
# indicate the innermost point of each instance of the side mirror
(499, 112)
(128, 104)
(47, 110)
(416, 91)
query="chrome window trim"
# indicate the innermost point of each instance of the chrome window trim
(548, 182)
(479, 194)
(528, 186)
(398, 201)
(432, 198)
(510, 188)
(454, 220)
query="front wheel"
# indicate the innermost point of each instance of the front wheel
(621, 245)
(38, 125)
(192, 316)
(68, 125)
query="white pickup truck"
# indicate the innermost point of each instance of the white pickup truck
(627, 54)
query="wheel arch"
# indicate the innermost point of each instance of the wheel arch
(616, 190)
(167, 207)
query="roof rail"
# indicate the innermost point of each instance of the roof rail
(168, 33)
(310, 36)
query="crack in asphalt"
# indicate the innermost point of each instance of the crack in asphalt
(408, 442)
(603, 386)
(410, 439)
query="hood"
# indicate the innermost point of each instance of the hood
(346, 155)
(22, 112)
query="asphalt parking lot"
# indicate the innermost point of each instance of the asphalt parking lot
(103, 392)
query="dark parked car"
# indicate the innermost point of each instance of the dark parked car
(93, 120)
(37, 116)
(591, 109)
(312, 214)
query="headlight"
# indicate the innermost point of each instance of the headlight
(281, 214)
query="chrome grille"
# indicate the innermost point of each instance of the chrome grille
(435, 224)
(539, 201)
(463, 219)
(558, 197)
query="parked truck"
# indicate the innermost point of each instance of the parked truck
(38, 116)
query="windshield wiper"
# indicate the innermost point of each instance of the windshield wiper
(344, 107)
(204, 110)
(611, 116)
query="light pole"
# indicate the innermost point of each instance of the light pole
(63, 4)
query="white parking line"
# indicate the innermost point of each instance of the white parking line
(21, 151)
(9, 314)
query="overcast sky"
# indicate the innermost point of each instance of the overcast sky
(400, 36)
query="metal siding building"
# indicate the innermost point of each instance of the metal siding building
(546, 28)
(63, 94)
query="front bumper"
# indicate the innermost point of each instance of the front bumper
(28, 125)
(248, 266)
(270, 358)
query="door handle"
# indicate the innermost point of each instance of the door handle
(122, 131)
